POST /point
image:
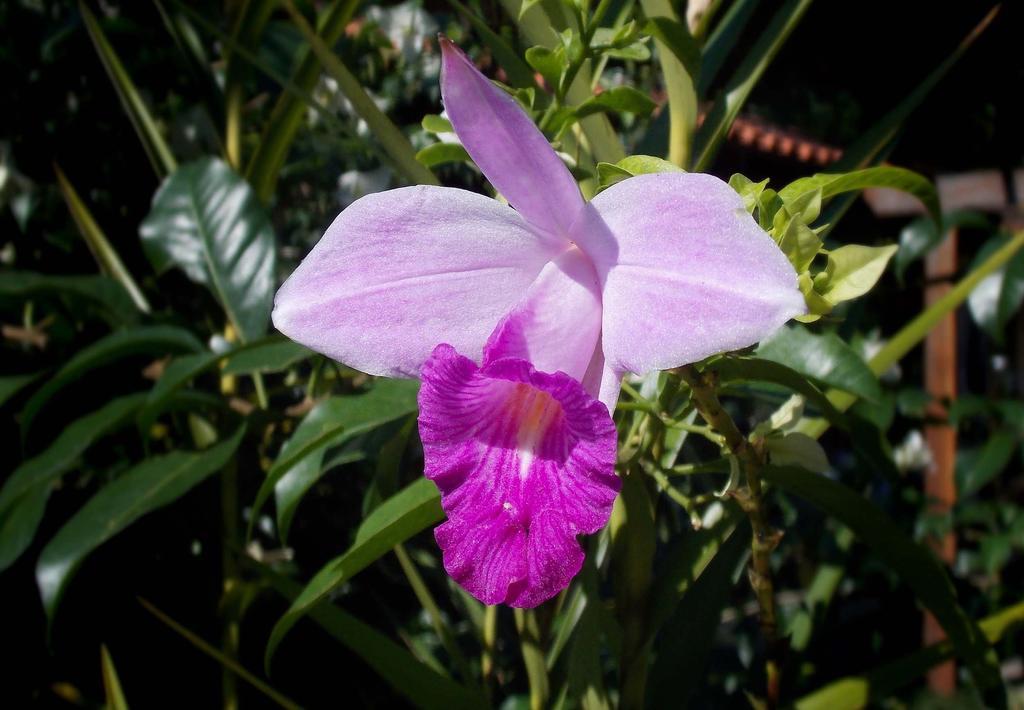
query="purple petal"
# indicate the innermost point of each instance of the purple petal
(557, 324)
(525, 462)
(686, 271)
(507, 146)
(400, 271)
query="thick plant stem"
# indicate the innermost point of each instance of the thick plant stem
(533, 657)
(765, 538)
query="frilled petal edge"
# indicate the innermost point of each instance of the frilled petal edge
(525, 463)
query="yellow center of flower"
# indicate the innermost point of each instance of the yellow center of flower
(534, 411)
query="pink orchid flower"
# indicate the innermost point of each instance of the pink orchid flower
(556, 299)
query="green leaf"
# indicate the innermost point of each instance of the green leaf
(679, 57)
(894, 178)
(852, 271)
(149, 340)
(914, 564)
(720, 119)
(411, 510)
(289, 112)
(518, 72)
(10, 385)
(441, 153)
(207, 221)
(675, 36)
(976, 468)
(330, 423)
(108, 297)
(731, 369)
(611, 173)
(749, 190)
(922, 235)
(797, 449)
(112, 693)
(145, 125)
(998, 297)
(432, 123)
(103, 251)
(272, 356)
(142, 489)
(547, 62)
(798, 242)
(421, 685)
(723, 40)
(854, 692)
(177, 373)
(687, 638)
(621, 98)
(825, 358)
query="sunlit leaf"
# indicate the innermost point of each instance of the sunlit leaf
(852, 271)
(824, 358)
(414, 508)
(442, 153)
(112, 693)
(207, 221)
(142, 489)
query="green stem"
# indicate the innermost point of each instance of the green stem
(426, 600)
(533, 657)
(765, 538)
(490, 638)
(261, 390)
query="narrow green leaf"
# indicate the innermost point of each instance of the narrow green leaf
(394, 142)
(144, 488)
(723, 40)
(442, 153)
(103, 294)
(886, 176)
(104, 252)
(288, 113)
(998, 297)
(112, 693)
(419, 684)
(252, 17)
(518, 72)
(852, 271)
(914, 564)
(145, 125)
(868, 149)
(978, 467)
(586, 682)
(10, 385)
(330, 423)
(741, 369)
(414, 508)
(824, 358)
(687, 638)
(922, 235)
(151, 340)
(207, 221)
(177, 373)
(275, 355)
(217, 655)
(621, 98)
(720, 119)
(854, 692)
(679, 56)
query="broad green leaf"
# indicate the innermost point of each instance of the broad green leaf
(894, 178)
(149, 485)
(731, 369)
(621, 98)
(679, 56)
(207, 221)
(547, 62)
(272, 356)
(797, 449)
(289, 111)
(10, 385)
(390, 137)
(720, 119)
(852, 271)
(442, 153)
(414, 508)
(149, 340)
(103, 294)
(922, 235)
(825, 358)
(586, 682)
(609, 173)
(854, 692)
(797, 241)
(749, 190)
(419, 684)
(998, 297)
(686, 641)
(975, 468)
(112, 693)
(330, 423)
(914, 564)
(103, 251)
(145, 125)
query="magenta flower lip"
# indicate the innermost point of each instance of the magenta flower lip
(557, 299)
